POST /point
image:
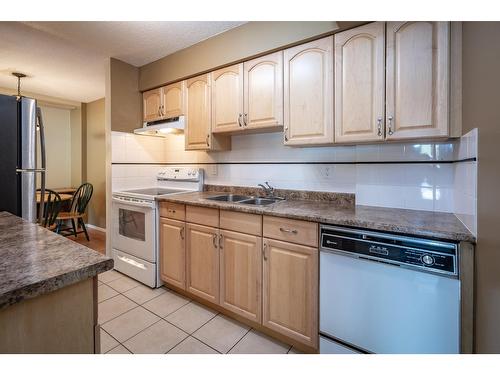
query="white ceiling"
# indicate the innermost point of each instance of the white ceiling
(67, 59)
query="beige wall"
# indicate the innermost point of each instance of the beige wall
(481, 85)
(76, 146)
(58, 137)
(250, 39)
(125, 98)
(96, 161)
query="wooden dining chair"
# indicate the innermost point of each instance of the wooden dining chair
(51, 206)
(78, 206)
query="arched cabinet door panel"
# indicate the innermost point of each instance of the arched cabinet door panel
(417, 79)
(308, 78)
(360, 84)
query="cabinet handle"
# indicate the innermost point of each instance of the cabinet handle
(171, 211)
(286, 136)
(214, 239)
(182, 233)
(208, 137)
(264, 248)
(379, 126)
(390, 125)
(159, 111)
(239, 120)
(293, 231)
(245, 119)
(221, 241)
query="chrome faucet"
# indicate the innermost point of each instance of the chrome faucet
(268, 189)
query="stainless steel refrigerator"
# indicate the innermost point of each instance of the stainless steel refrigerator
(21, 137)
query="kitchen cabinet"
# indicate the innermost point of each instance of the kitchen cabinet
(360, 84)
(308, 93)
(249, 96)
(263, 92)
(173, 252)
(290, 290)
(173, 99)
(227, 99)
(152, 101)
(417, 84)
(202, 261)
(241, 274)
(198, 135)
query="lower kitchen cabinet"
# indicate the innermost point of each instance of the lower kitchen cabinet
(241, 274)
(202, 261)
(290, 290)
(173, 252)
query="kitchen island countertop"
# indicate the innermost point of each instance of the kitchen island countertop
(36, 261)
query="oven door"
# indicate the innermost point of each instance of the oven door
(134, 228)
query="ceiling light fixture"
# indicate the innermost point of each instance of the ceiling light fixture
(19, 76)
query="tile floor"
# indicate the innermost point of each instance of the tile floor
(138, 319)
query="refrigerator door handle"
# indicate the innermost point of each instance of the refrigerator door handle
(43, 162)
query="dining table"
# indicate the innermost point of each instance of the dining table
(64, 197)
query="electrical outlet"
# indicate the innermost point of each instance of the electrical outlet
(326, 171)
(213, 170)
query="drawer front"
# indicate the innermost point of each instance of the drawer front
(289, 230)
(203, 216)
(241, 222)
(172, 210)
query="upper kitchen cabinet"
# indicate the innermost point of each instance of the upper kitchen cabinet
(359, 84)
(152, 105)
(227, 99)
(198, 135)
(417, 85)
(173, 99)
(263, 92)
(309, 93)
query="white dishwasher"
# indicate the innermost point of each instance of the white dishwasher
(384, 293)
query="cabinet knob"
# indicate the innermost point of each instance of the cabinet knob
(391, 132)
(379, 126)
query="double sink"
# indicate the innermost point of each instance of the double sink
(244, 199)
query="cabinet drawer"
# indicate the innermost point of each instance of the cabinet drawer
(173, 210)
(202, 215)
(241, 222)
(290, 230)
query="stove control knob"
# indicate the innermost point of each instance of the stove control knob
(428, 260)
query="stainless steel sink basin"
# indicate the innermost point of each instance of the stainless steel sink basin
(259, 201)
(229, 198)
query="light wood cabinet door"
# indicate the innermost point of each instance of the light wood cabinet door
(360, 84)
(309, 93)
(263, 94)
(202, 261)
(198, 113)
(227, 99)
(173, 99)
(151, 105)
(417, 79)
(290, 288)
(173, 252)
(241, 274)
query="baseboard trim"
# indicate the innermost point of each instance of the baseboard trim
(96, 228)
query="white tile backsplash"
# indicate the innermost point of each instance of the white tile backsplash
(433, 187)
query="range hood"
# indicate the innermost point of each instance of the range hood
(161, 128)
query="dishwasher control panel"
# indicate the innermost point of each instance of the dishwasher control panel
(424, 254)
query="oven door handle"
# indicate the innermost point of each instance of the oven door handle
(132, 203)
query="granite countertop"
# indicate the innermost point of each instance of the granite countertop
(437, 225)
(36, 261)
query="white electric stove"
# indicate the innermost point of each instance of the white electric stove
(135, 234)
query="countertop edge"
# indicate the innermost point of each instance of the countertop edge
(364, 224)
(54, 283)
